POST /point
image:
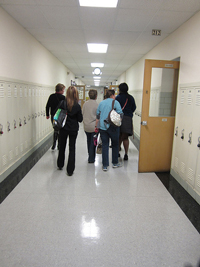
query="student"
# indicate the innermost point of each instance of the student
(108, 131)
(74, 116)
(51, 105)
(128, 106)
(89, 120)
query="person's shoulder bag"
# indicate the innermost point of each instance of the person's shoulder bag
(60, 116)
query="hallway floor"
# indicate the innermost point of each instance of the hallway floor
(94, 218)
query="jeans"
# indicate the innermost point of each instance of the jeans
(91, 147)
(113, 133)
(72, 150)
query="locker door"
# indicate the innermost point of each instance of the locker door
(3, 129)
(196, 140)
(191, 150)
(178, 146)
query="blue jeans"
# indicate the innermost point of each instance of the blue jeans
(91, 147)
(113, 133)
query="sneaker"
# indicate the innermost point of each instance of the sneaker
(104, 169)
(53, 147)
(125, 157)
(117, 165)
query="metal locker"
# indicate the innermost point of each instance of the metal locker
(3, 125)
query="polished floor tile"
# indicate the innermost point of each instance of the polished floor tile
(94, 218)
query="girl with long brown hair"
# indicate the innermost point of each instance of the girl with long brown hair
(74, 116)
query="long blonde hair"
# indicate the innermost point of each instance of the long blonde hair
(72, 97)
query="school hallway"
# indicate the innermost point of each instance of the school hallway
(94, 218)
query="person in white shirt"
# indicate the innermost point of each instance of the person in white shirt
(89, 119)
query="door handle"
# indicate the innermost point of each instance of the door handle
(143, 123)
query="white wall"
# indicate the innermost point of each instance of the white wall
(28, 75)
(183, 43)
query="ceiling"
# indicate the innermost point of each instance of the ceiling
(65, 28)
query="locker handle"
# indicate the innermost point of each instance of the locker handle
(1, 129)
(182, 134)
(198, 145)
(176, 132)
(190, 138)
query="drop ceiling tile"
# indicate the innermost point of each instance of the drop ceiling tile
(133, 20)
(18, 2)
(124, 38)
(56, 3)
(98, 18)
(60, 17)
(94, 36)
(141, 4)
(27, 15)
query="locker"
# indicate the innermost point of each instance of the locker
(197, 140)
(179, 146)
(3, 124)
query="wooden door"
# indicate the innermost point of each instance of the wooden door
(158, 115)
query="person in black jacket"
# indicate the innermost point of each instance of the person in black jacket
(51, 105)
(74, 116)
(128, 106)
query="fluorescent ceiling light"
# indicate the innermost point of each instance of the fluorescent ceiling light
(97, 65)
(96, 78)
(99, 3)
(97, 48)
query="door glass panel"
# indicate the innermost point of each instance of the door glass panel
(163, 92)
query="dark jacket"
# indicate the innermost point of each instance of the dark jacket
(130, 106)
(53, 102)
(73, 117)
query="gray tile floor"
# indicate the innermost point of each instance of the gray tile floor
(94, 218)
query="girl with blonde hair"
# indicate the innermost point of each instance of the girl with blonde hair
(74, 116)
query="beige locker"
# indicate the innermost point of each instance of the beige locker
(3, 128)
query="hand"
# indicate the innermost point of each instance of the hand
(96, 130)
(47, 117)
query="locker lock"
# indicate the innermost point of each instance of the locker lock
(8, 126)
(182, 134)
(24, 120)
(190, 138)
(20, 122)
(15, 124)
(1, 129)
(198, 142)
(176, 131)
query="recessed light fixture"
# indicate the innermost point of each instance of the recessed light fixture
(99, 3)
(97, 48)
(96, 77)
(97, 71)
(97, 65)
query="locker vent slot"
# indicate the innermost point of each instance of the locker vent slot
(182, 100)
(190, 174)
(176, 162)
(4, 160)
(198, 181)
(182, 167)
(189, 101)
(198, 98)
(16, 151)
(21, 147)
(15, 92)
(1, 91)
(9, 91)
(11, 155)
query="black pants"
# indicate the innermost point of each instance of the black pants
(72, 150)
